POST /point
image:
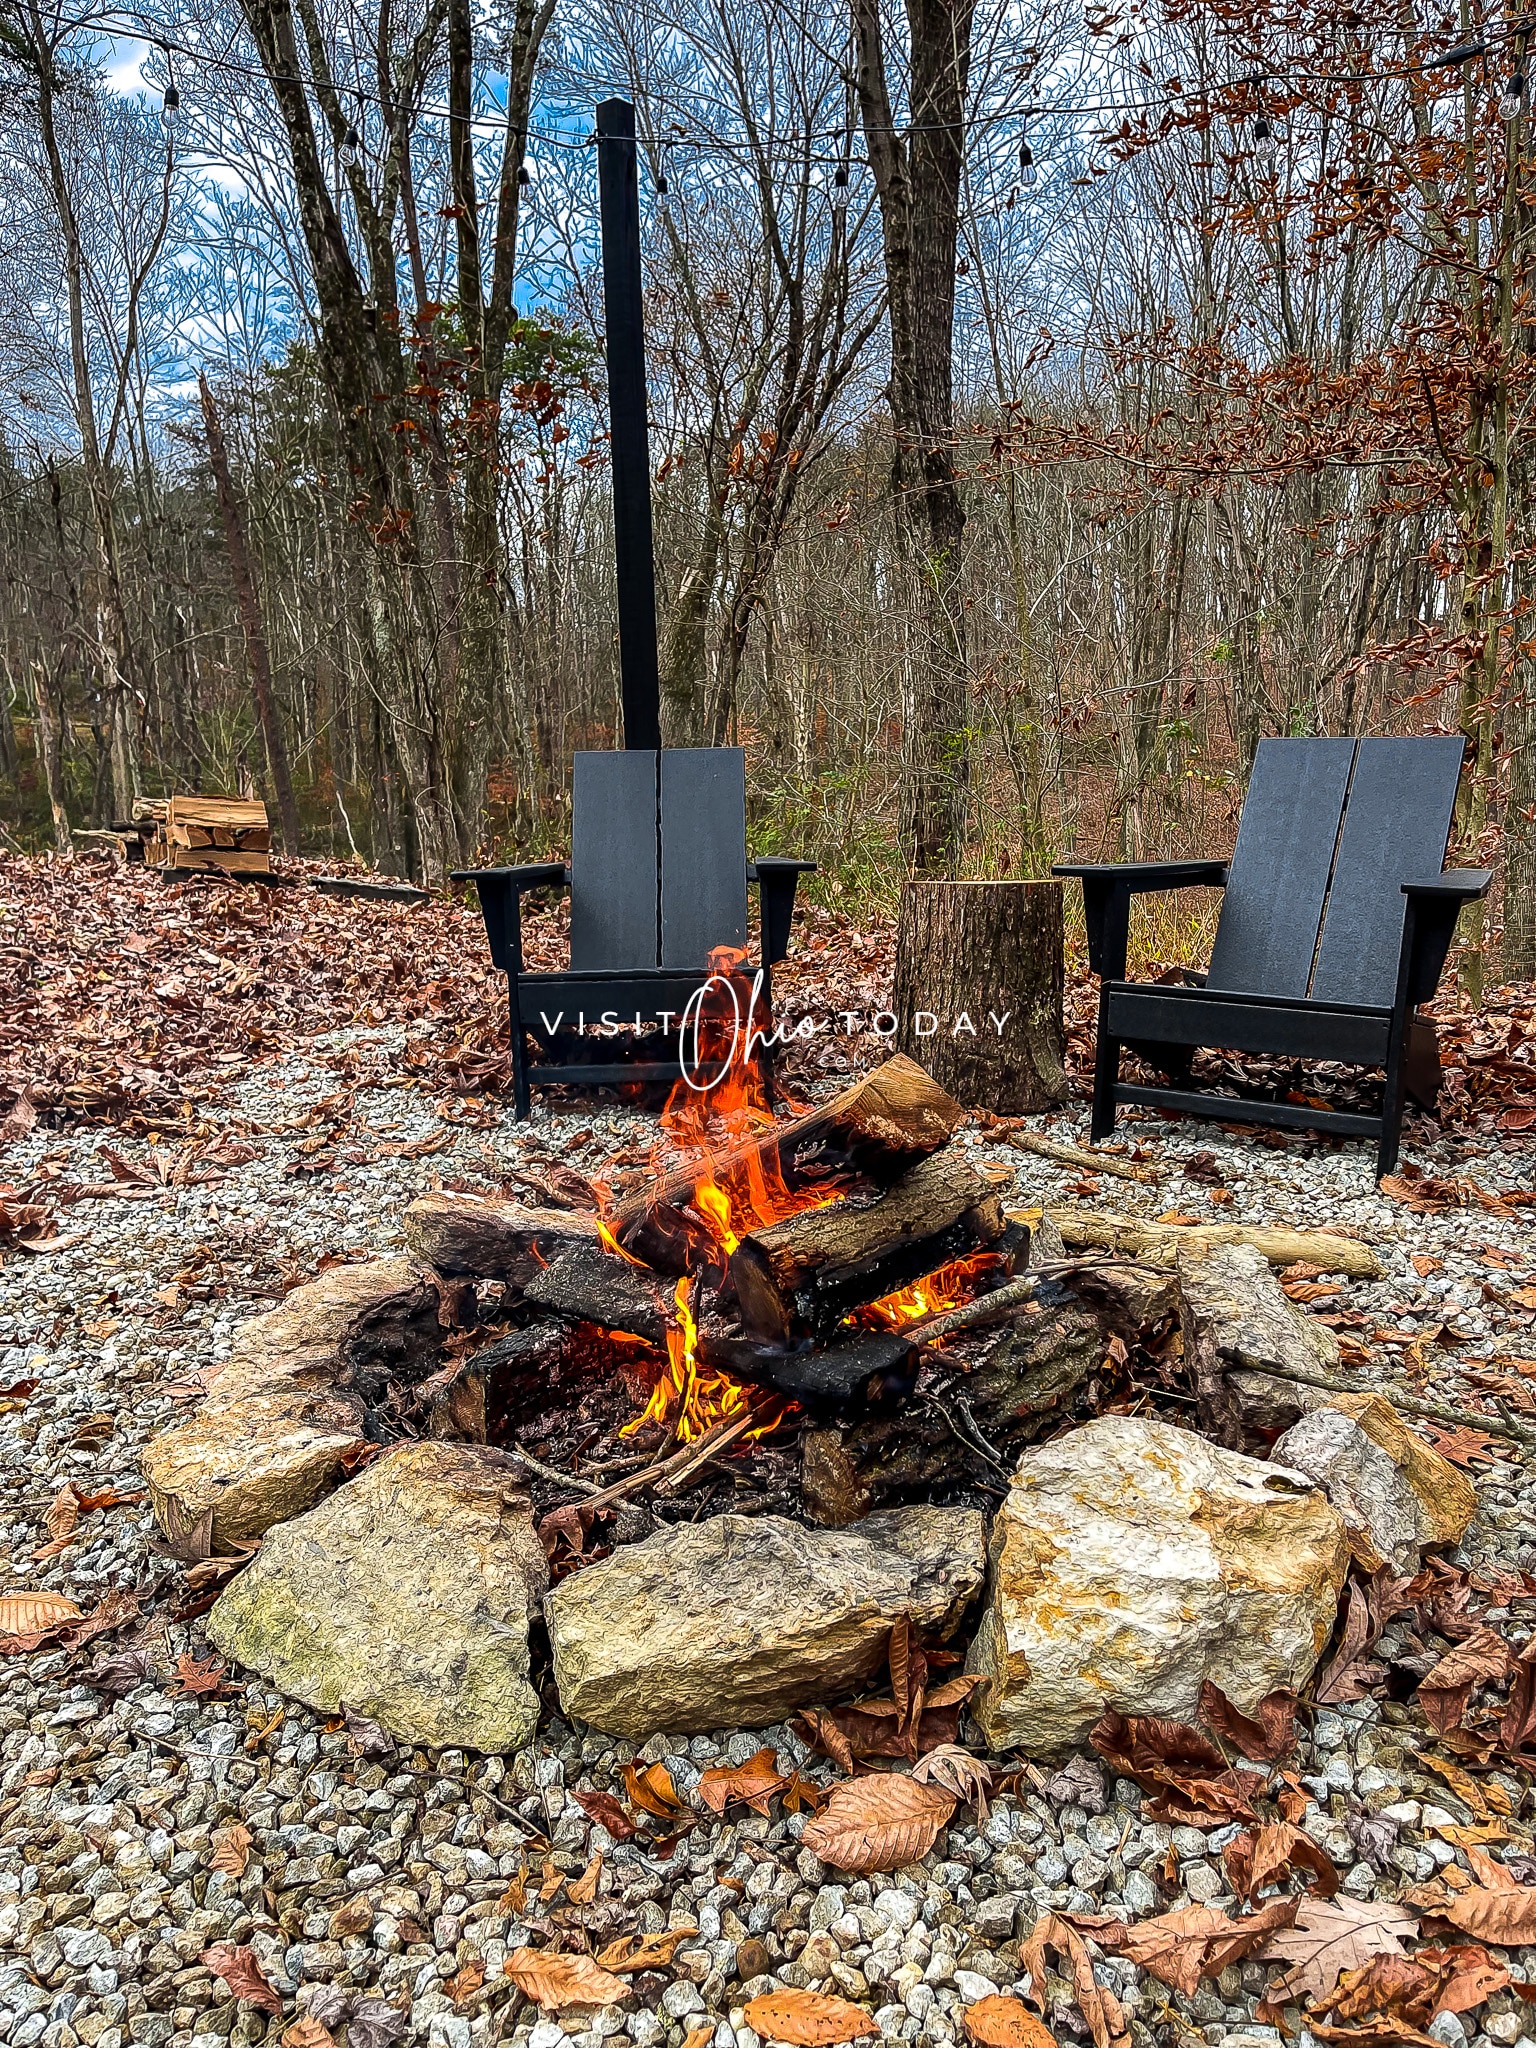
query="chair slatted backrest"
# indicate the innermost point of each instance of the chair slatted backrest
(615, 862)
(703, 853)
(658, 857)
(1277, 879)
(1396, 827)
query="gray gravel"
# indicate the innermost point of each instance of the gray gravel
(372, 1883)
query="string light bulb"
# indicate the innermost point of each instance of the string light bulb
(840, 189)
(351, 143)
(170, 110)
(663, 194)
(1026, 164)
(1512, 103)
(524, 176)
(1265, 145)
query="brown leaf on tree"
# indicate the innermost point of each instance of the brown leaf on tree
(878, 1823)
(1331, 1936)
(583, 1889)
(1194, 1941)
(1502, 1914)
(242, 1973)
(1001, 2022)
(635, 1952)
(231, 1849)
(808, 2019)
(1265, 1739)
(1100, 2008)
(198, 1679)
(754, 1783)
(653, 1791)
(608, 1813)
(1266, 1856)
(1185, 1770)
(556, 1981)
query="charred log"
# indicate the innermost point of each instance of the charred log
(471, 1236)
(588, 1284)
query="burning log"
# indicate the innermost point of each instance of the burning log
(878, 1127)
(588, 1284)
(802, 1275)
(471, 1236)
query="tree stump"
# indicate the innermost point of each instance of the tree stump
(978, 997)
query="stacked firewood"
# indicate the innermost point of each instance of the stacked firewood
(205, 832)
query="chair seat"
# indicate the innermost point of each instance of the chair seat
(638, 996)
(1293, 1027)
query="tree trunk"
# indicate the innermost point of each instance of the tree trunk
(50, 754)
(978, 996)
(251, 621)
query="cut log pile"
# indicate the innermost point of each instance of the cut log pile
(226, 832)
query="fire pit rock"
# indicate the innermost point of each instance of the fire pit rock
(1130, 1561)
(406, 1596)
(1391, 1488)
(736, 1621)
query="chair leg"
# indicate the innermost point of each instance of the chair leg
(1421, 1063)
(1392, 1097)
(1106, 1072)
(521, 1105)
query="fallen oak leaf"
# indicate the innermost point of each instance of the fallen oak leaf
(1446, 1689)
(801, 1796)
(956, 1770)
(1503, 1914)
(466, 1981)
(754, 1782)
(1193, 1941)
(1100, 2008)
(1183, 1768)
(556, 1981)
(231, 1849)
(653, 1791)
(583, 1890)
(1331, 1936)
(1256, 1859)
(1003, 2022)
(878, 1823)
(240, 1970)
(635, 1952)
(807, 2019)
(608, 1813)
(1264, 1740)
(197, 1679)
(822, 1733)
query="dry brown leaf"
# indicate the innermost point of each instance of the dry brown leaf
(653, 1792)
(1268, 1738)
(26, 1614)
(308, 2032)
(878, 1823)
(1183, 1767)
(555, 1981)
(1502, 1914)
(61, 1521)
(242, 1973)
(697, 2037)
(353, 1916)
(1331, 1936)
(196, 1678)
(608, 1813)
(466, 1981)
(1002, 2022)
(823, 1733)
(1466, 1787)
(808, 2019)
(583, 1889)
(231, 1849)
(957, 1771)
(755, 1782)
(801, 1796)
(1445, 1690)
(1100, 2008)
(1194, 1941)
(1257, 1859)
(634, 1952)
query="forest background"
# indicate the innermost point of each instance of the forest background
(1045, 406)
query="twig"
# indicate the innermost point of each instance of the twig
(1500, 1424)
(1074, 1155)
(987, 1307)
(537, 1465)
(673, 1467)
(707, 1448)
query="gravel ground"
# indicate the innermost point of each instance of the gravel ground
(374, 1881)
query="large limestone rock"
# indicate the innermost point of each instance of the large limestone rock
(1130, 1561)
(407, 1595)
(1396, 1495)
(1237, 1320)
(736, 1621)
(320, 1335)
(243, 1465)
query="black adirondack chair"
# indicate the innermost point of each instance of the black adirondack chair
(658, 879)
(1335, 925)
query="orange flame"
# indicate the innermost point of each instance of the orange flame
(689, 1399)
(933, 1295)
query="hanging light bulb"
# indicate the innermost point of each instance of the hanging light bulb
(351, 143)
(1265, 145)
(1026, 164)
(524, 176)
(170, 110)
(663, 193)
(840, 189)
(1512, 103)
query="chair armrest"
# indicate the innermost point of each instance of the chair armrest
(776, 879)
(500, 891)
(1107, 891)
(1429, 926)
(1465, 885)
(543, 874)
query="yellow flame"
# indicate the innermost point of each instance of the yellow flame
(691, 1400)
